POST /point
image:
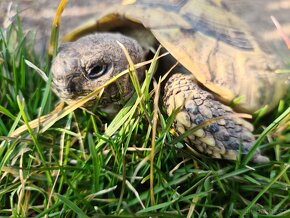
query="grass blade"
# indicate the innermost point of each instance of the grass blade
(72, 206)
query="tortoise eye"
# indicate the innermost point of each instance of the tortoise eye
(97, 71)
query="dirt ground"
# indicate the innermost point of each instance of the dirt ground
(38, 15)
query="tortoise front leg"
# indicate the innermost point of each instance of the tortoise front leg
(220, 139)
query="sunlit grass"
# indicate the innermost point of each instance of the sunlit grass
(75, 163)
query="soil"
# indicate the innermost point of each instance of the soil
(38, 15)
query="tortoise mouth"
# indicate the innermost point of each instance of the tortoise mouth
(68, 93)
(102, 102)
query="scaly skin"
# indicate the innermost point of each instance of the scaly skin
(220, 139)
(76, 64)
(74, 76)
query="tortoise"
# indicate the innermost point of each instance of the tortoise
(219, 61)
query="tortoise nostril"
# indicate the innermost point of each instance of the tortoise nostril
(74, 85)
(70, 89)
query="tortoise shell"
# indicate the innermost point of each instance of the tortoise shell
(208, 40)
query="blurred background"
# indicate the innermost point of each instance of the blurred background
(38, 15)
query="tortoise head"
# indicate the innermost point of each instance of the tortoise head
(84, 65)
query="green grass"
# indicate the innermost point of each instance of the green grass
(80, 165)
